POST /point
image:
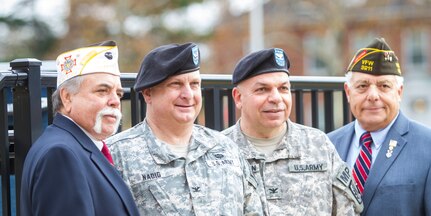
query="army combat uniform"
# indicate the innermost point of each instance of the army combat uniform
(212, 180)
(304, 175)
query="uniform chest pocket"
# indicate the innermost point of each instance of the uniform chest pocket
(150, 195)
(162, 199)
(313, 180)
(222, 163)
(217, 183)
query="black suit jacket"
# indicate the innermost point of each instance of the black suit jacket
(66, 174)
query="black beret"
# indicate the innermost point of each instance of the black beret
(263, 61)
(375, 59)
(165, 61)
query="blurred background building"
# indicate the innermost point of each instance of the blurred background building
(319, 36)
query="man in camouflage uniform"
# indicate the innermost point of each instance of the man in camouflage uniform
(172, 166)
(300, 169)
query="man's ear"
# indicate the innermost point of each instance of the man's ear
(347, 90)
(66, 99)
(146, 93)
(237, 96)
(400, 92)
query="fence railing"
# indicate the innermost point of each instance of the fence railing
(26, 108)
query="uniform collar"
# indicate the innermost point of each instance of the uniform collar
(287, 148)
(199, 144)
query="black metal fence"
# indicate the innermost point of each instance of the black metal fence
(25, 87)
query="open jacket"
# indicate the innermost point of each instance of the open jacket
(398, 184)
(66, 174)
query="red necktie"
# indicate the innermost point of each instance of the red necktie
(105, 151)
(361, 169)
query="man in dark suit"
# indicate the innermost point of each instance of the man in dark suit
(390, 155)
(68, 170)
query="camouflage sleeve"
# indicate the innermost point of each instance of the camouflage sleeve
(347, 200)
(252, 201)
(345, 185)
(118, 163)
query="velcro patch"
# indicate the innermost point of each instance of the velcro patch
(273, 192)
(214, 163)
(344, 176)
(349, 187)
(316, 167)
(255, 168)
(220, 159)
(355, 192)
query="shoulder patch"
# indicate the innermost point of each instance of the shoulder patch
(349, 187)
(344, 176)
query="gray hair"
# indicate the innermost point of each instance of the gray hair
(399, 79)
(72, 86)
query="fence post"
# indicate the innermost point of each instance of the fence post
(27, 114)
(329, 110)
(4, 154)
(213, 109)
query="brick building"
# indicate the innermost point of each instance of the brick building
(320, 37)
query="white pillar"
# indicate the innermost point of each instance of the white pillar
(256, 26)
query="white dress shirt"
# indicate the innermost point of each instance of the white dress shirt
(378, 139)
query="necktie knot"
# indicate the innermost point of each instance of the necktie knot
(366, 139)
(105, 152)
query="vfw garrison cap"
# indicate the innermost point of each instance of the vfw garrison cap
(166, 61)
(96, 58)
(375, 59)
(260, 62)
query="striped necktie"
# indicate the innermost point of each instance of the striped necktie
(105, 151)
(362, 166)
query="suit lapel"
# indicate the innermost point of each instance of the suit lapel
(113, 177)
(383, 163)
(344, 140)
(97, 157)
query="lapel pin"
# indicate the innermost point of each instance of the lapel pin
(392, 145)
(388, 154)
